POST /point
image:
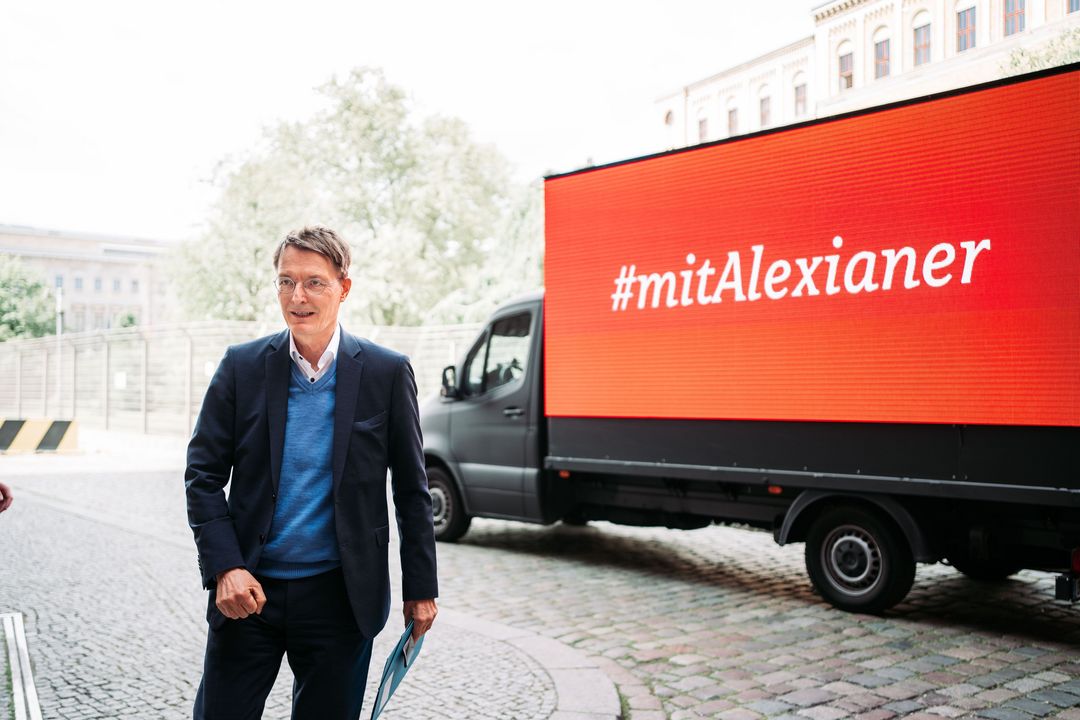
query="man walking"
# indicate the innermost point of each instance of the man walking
(304, 425)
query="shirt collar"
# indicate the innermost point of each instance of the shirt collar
(324, 360)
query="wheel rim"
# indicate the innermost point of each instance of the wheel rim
(852, 560)
(440, 507)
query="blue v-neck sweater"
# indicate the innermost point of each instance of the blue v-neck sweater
(303, 539)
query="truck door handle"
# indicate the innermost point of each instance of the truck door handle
(513, 412)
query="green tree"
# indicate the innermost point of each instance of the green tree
(516, 263)
(226, 273)
(1061, 50)
(431, 214)
(27, 308)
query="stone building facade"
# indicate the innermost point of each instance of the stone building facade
(105, 281)
(863, 53)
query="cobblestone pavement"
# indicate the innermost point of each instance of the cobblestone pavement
(722, 623)
(115, 615)
(717, 623)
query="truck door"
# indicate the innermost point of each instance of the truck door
(489, 426)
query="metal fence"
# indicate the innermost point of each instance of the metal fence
(153, 379)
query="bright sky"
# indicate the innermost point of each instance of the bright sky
(113, 114)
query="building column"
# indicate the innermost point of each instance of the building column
(1035, 13)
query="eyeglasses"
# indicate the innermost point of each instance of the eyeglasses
(312, 286)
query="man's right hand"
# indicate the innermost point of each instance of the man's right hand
(239, 594)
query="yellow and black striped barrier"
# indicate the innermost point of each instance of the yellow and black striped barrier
(41, 435)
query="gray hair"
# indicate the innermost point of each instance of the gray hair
(320, 239)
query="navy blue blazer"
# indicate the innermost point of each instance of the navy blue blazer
(240, 435)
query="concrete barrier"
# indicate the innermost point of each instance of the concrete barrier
(38, 435)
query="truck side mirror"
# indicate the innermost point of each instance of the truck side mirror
(449, 382)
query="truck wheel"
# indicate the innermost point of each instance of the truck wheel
(447, 510)
(858, 561)
(988, 570)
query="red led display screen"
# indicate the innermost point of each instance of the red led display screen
(917, 264)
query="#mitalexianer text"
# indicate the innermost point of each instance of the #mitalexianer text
(864, 272)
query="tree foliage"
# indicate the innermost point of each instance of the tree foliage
(439, 231)
(26, 306)
(1061, 50)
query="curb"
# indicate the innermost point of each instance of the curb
(25, 697)
(583, 689)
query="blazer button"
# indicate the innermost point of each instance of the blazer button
(274, 497)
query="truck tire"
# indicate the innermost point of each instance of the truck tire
(990, 570)
(447, 510)
(858, 561)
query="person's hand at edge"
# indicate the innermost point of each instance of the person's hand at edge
(239, 594)
(5, 497)
(422, 613)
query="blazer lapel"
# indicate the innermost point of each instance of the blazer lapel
(350, 364)
(277, 400)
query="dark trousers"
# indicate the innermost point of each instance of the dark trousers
(309, 621)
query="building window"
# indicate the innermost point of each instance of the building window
(59, 281)
(965, 29)
(922, 44)
(766, 107)
(847, 74)
(702, 129)
(135, 286)
(800, 99)
(97, 284)
(78, 283)
(1014, 16)
(669, 118)
(1074, 5)
(881, 59)
(733, 121)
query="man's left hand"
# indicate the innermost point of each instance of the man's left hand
(422, 613)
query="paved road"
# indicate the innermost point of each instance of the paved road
(103, 570)
(716, 623)
(722, 623)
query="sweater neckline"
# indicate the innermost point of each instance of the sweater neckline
(304, 383)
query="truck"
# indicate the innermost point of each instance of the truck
(861, 333)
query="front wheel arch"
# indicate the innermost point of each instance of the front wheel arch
(810, 504)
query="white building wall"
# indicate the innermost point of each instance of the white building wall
(135, 262)
(741, 89)
(853, 24)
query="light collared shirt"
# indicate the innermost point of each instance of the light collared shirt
(325, 361)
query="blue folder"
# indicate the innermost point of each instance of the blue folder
(399, 662)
